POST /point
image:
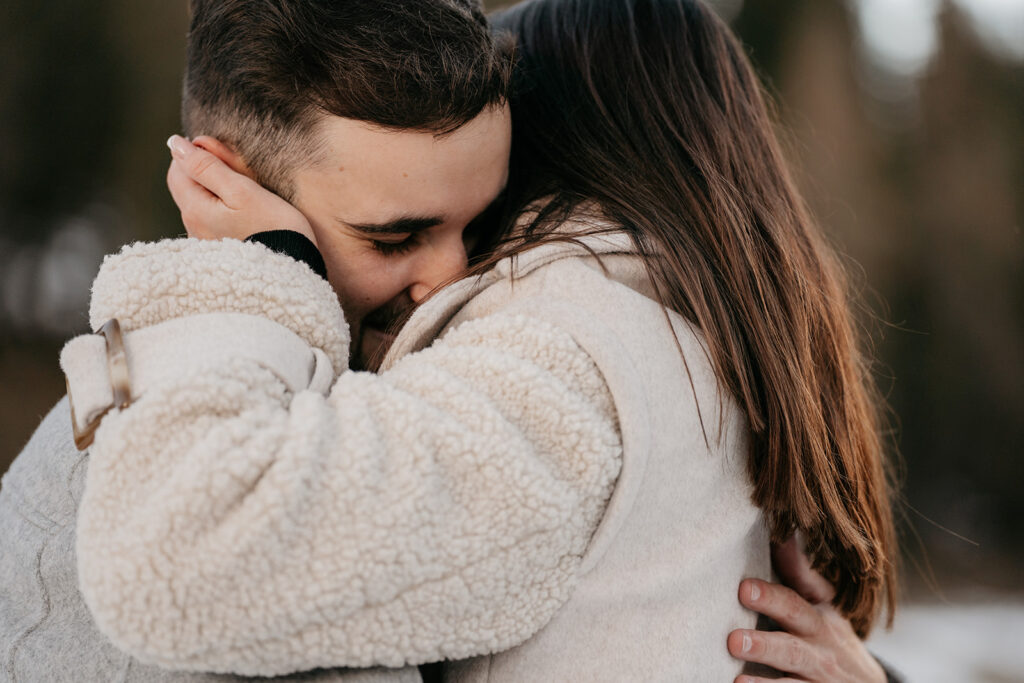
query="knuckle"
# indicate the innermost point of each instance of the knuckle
(793, 610)
(833, 623)
(831, 615)
(819, 621)
(829, 665)
(202, 163)
(796, 656)
(234, 187)
(782, 601)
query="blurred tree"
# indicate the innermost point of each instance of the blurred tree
(90, 92)
(929, 207)
(152, 37)
(60, 114)
(765, 27)
(964, 390)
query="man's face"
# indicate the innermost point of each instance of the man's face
(390, 210)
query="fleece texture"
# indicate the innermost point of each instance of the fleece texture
(438, 510)
(150, 282)
(544, 482)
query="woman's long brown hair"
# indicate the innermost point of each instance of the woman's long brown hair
(651, 110)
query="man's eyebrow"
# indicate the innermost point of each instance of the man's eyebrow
(399, 226)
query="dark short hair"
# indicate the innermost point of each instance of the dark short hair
(260, 74)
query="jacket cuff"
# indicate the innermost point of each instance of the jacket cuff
(147, 283)
(294, 244)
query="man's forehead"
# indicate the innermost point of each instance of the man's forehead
(352, 144)
(380, 175)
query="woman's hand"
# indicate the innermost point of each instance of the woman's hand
(817, 643)
(217, 202)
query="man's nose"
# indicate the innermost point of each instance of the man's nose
(437, 266)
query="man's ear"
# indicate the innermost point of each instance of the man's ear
(224, 153)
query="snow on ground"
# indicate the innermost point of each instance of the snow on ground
(956, 643)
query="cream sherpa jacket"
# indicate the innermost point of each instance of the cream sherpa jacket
(525, 487)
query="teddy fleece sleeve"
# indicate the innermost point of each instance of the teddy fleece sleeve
(437, 510)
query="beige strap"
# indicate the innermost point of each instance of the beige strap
(120, 384)
(105, 371)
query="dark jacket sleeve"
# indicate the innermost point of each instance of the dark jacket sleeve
(294, 244)
(891, 675)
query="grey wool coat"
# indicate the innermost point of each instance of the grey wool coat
(537, 486)
(47, 634)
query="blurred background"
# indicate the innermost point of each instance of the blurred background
(905, 119)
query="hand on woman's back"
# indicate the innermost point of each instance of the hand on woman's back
(817, 643)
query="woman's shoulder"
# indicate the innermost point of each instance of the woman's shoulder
(589, 264)
(597, 287)
(594, 285)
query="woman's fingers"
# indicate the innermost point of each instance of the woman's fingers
(184, 190)
(207, 170)
(820, 644)
(793, 567)
(778, 650)
(217, 201)
(195, 203)
(781, 604)
(758, 679)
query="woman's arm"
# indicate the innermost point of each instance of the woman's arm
(438, 510)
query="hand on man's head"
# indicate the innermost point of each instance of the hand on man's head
(217, 201)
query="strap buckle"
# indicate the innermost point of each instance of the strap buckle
(120, 383)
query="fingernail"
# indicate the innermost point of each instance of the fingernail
(175, 144)
(747, 642)
(755, 592)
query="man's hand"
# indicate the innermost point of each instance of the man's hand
(817, 644)
(217, 202)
